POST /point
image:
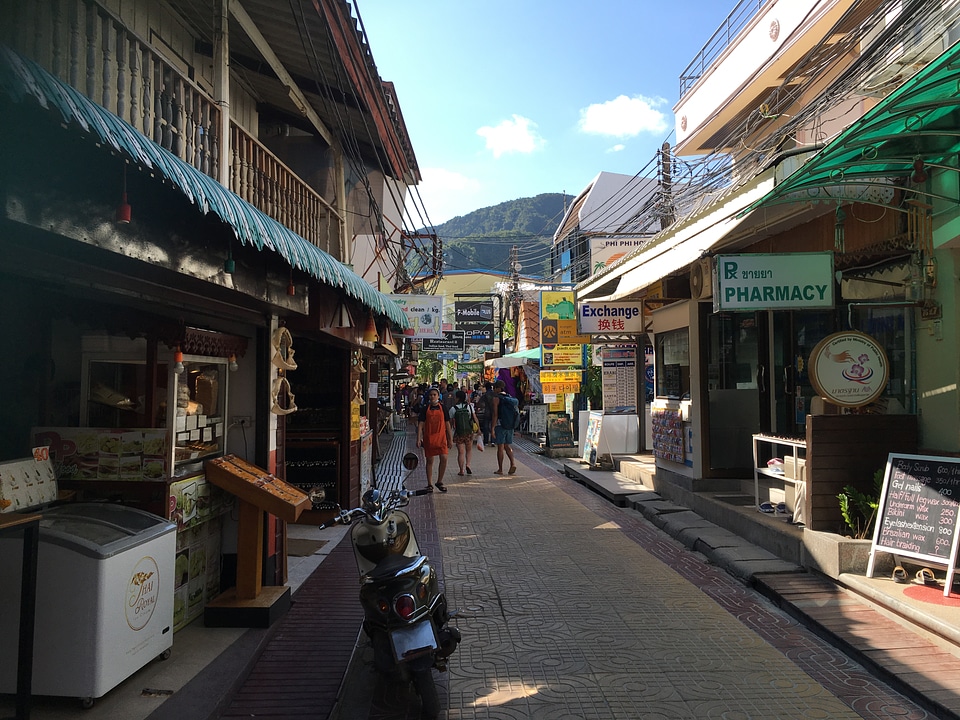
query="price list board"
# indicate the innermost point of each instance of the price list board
(917, 516)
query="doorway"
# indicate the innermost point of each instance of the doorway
(793, 334)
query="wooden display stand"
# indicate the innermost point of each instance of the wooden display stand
(249, 604)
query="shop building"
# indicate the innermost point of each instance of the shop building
(804, 131)
(180, 186)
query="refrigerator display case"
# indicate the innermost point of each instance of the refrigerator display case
(198, 399)
(116, 564)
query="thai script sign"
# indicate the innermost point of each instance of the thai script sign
(774, 281)
(848, 368)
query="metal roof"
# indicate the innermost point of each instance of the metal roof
(324, 49)
(879, 153)
(20, 78)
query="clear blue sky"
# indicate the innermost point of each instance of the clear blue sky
(512, 98)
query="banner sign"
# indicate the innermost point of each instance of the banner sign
(470, 367)
(473, 313)
(424, 313)
(559, 376)
(605, 251)
(774, 281)
(597, 318)
(558, 320)
(560, 388)
(562, 355)
(477, 335)
(452, 341)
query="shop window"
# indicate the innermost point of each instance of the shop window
(673, 364)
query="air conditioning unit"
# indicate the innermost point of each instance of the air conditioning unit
(701, 279)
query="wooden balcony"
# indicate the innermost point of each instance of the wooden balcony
(88, 48)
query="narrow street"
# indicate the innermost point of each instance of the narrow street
(573, 608)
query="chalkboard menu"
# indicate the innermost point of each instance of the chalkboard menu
(917, 517)
(559, 431)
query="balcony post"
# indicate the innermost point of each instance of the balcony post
(221, 89)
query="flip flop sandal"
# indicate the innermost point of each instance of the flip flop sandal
(926, 577)
(429, 488)
(441, 487)
(469, 471)
(512, 471)
(899, 575)
(767, 507)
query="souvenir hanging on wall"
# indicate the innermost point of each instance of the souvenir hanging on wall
(283, 349)
(283, 398)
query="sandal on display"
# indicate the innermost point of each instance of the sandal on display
(899, 575)
(767, 507)
(925, 576)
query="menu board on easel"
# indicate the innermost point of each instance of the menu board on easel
(917, 515)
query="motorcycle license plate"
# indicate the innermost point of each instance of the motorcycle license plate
(411, 641)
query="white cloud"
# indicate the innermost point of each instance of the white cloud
(619, 147)
(444, 194)
(518, 135)
(624, 117)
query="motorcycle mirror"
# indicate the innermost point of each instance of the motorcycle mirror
(410, 461)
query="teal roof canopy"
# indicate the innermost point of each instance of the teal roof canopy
(21, 78)
(917, 125)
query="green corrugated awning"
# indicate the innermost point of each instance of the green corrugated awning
(876, 155)
(21, 78)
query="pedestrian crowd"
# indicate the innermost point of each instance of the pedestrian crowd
(452, 417)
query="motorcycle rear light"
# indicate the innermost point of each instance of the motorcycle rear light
(383, 606)
(422, 592)
(404, 606)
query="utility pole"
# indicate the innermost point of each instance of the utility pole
(515, 293)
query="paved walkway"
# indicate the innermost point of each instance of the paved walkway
(573, 608)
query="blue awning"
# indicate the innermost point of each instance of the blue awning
(21, 78)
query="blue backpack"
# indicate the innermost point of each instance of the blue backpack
(508, 415)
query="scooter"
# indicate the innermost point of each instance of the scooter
(405, 614)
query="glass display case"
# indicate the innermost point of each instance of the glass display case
(197, 402)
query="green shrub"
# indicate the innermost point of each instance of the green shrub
(859, 510)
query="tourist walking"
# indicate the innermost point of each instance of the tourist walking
(484, 408)
(463, 419)
(504, 420)
(432, 436)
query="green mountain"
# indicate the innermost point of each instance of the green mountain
(483, 238)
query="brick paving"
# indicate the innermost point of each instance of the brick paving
(573, 608)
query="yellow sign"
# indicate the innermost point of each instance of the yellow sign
(354, 422)
(559, 406)
(561, 388)
(559, 376)
(563, 355)
(558, 320)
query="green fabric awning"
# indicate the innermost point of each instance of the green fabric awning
(867, 162)
(21, 78)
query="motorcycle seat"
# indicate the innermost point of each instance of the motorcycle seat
(394, 566)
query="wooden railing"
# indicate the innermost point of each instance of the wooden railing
(260, 178)
(88, 48)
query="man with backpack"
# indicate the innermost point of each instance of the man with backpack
(506, 417)
(462, 418)
(484, 409)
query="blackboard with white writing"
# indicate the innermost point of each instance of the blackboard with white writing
(917, 516)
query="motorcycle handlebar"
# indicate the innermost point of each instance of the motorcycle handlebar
(345, 517)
